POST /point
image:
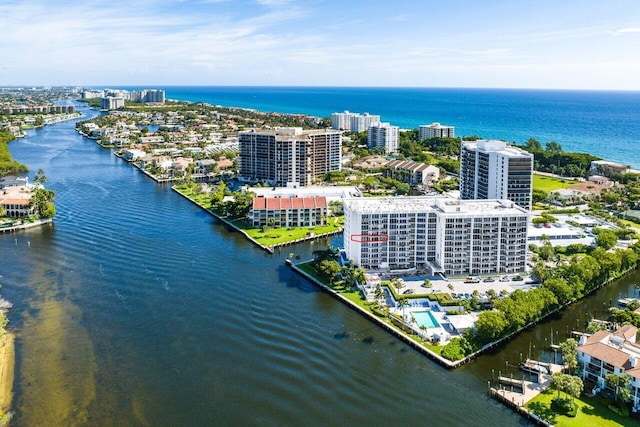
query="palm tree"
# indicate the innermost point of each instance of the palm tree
(379, 295)
(397, 283)
(402, 303)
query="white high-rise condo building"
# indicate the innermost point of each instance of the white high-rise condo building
(341, 121)
(362, 122)
(492, 169)
(436, 235)
(354, 122)
(288, 156)
(384, 135)
(435, 130)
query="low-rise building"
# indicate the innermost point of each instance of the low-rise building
(435, 130)
(288, 211)
(132, 154)
(411, 172)
(607, 352)
(606, 168)
(16, 201)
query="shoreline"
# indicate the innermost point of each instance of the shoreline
(269, 249)
(449, 364)
(37, 223)
(7, 366)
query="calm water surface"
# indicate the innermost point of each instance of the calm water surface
(136, 308)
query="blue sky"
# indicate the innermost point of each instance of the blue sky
(566, 44)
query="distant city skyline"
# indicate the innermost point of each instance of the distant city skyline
(495, 44)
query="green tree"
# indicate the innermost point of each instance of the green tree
(560, 289)
(490, 326)
(553, 147)
(454, 350)
(574, 387)
(42, 203)
(606, 239)
(533, 145)
(40, 178)
(568, 349)
(329, 269)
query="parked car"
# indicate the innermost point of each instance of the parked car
(407, 292)
(517, 278)
(505, 279)
(489, 279)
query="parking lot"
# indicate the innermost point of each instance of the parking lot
(462, 285)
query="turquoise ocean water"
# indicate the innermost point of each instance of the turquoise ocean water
(603, 123)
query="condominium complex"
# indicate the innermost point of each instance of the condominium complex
(111, 103)
(492, 169)
(288, 211)
(411, 172)
(435, 130)
(354, 122)
(616, 353)
(288, 156)
(436, 235)
(384, 135)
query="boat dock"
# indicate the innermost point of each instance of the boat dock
(537, 367)
(515, 393)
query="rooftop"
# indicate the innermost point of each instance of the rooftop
(416, 204)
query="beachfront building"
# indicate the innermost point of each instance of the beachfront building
(435, 130)
(383, 135)
(608, 169)
(491, 169)
(354, 122)
(412, 173)
(288, 156)
(341, 121)
(288, 211)
(607, 352)
(362, 122)
(436, 235)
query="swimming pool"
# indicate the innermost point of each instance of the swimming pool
(426, 319)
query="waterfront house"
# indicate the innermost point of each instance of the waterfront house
(16, 201)
(132, 154)
(607, 352)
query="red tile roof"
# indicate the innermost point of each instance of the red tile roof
(279, 203)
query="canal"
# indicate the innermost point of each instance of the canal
(137, 308)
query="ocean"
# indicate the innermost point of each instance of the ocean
(602, 123)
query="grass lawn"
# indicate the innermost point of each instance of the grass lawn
(277, 236)
(631, 224)
(548, 184)
(591, 412)
(202, 199)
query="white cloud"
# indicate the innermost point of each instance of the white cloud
(626, 31)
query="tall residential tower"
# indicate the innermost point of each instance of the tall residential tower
(491, 169)
(288, 156)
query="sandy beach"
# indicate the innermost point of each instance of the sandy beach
(7, 361)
